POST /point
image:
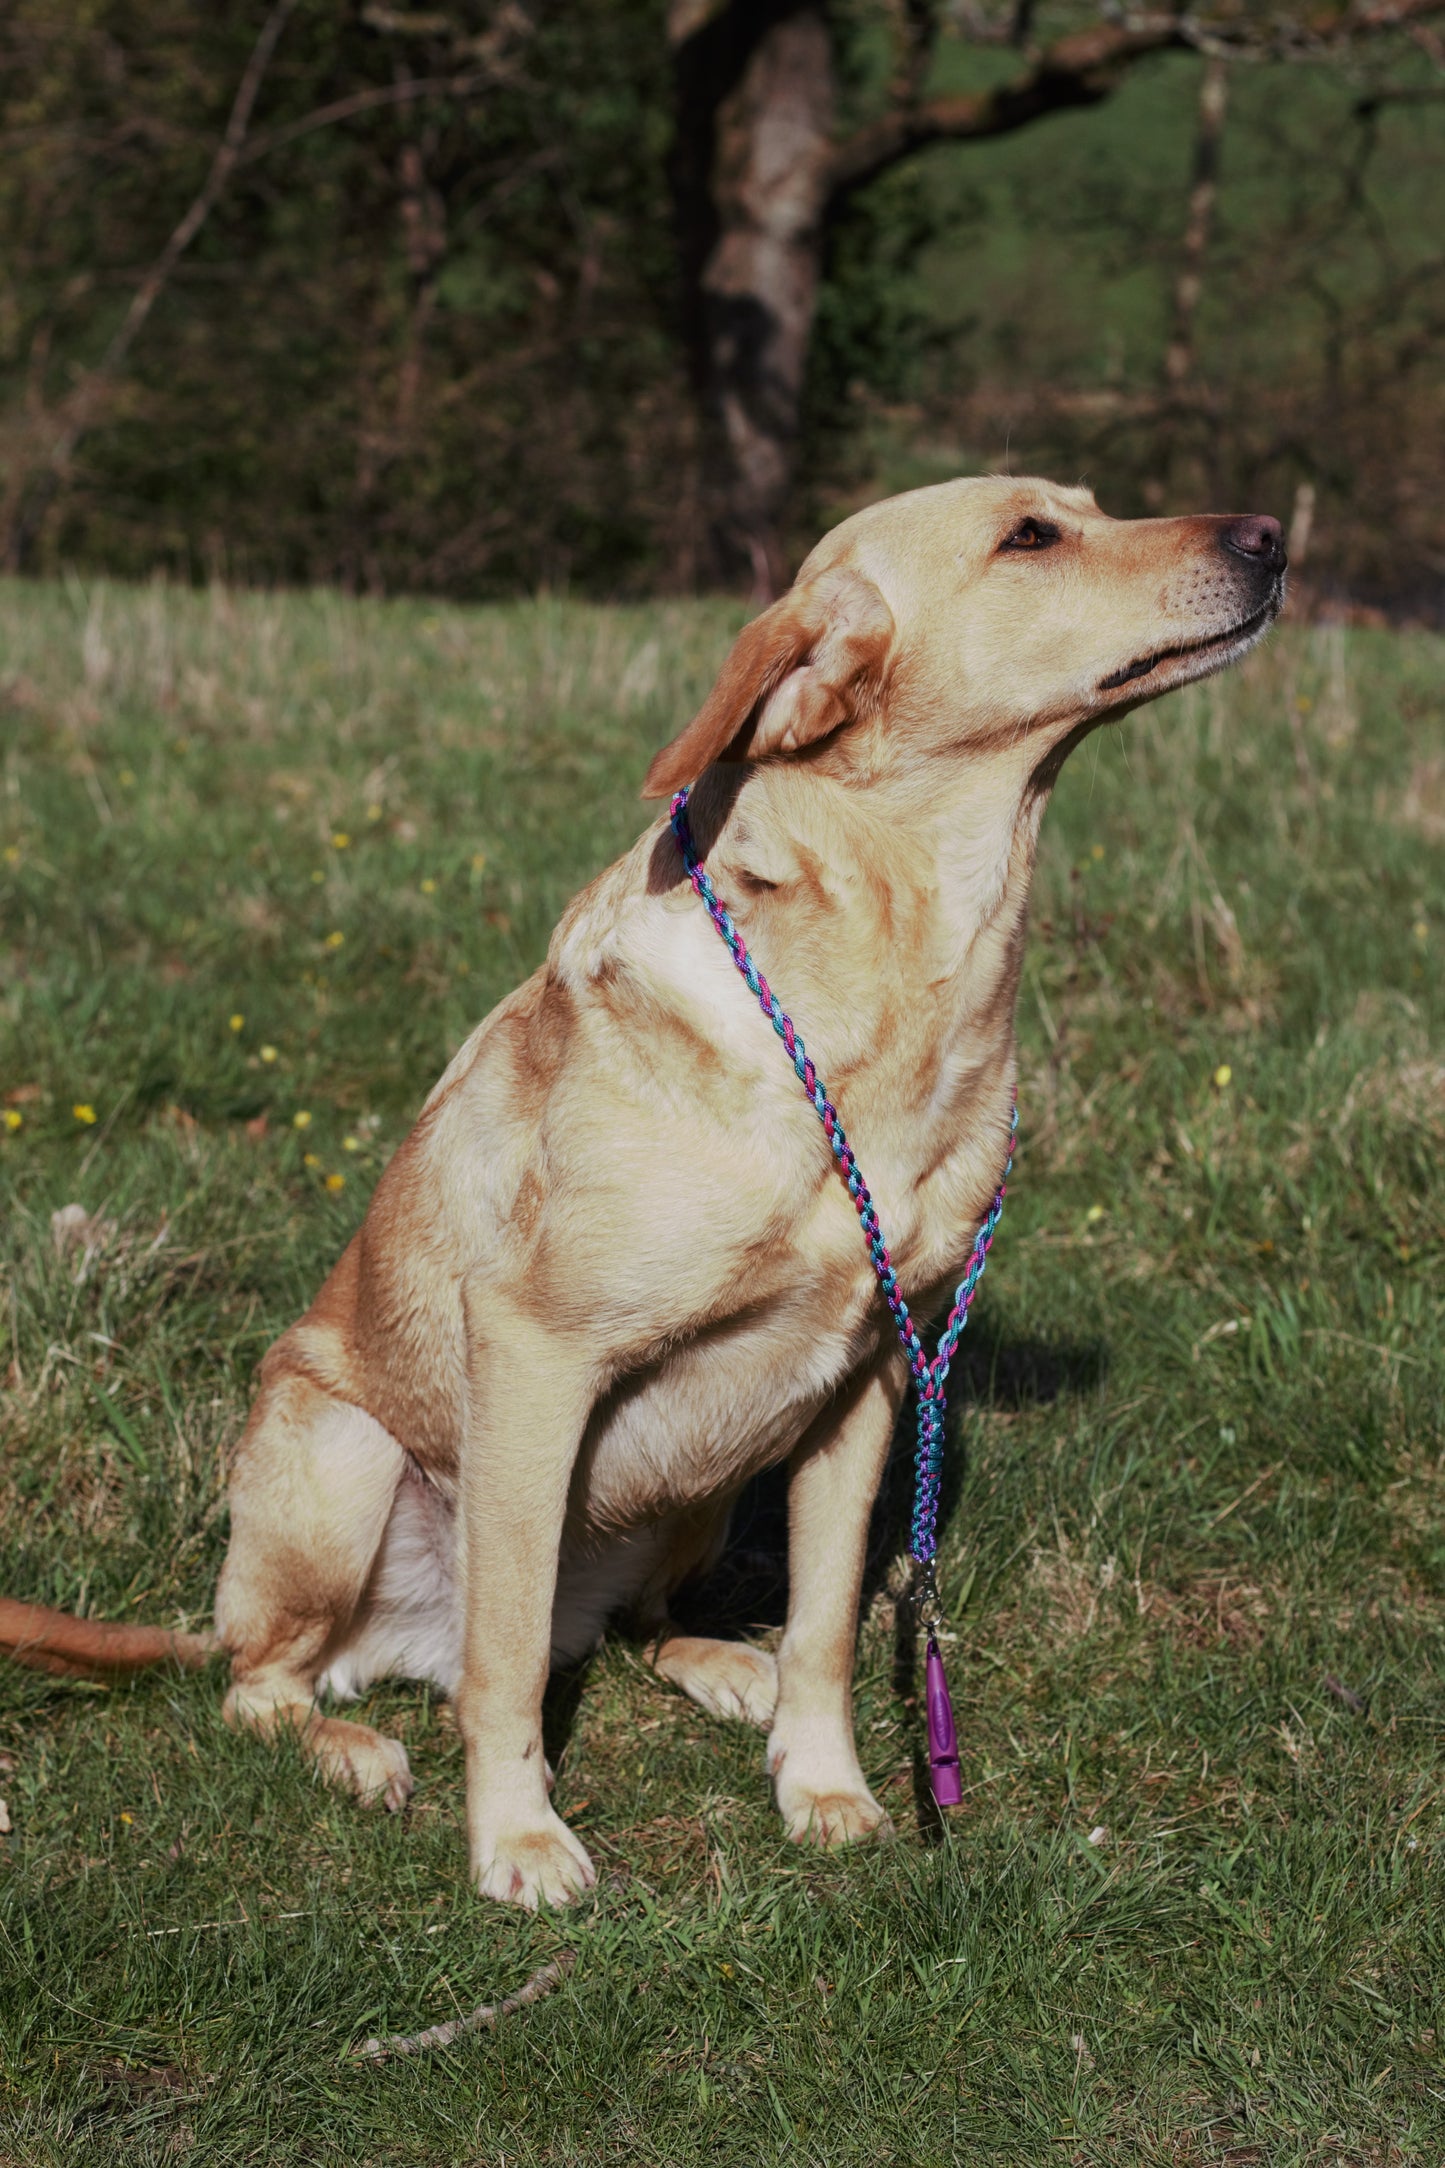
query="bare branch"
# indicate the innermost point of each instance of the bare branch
(1079, 70)
(233, 152)
(482, 2019)
(1338, 25)
(1087, 67)
(1418, 94)
(396, 22)
(151, 287)
(981, 28)
(685, 18)
(371, 101)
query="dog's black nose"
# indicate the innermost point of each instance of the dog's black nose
(1258, 538)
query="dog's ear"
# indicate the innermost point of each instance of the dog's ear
(814, 660)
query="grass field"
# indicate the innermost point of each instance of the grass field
(264, 861)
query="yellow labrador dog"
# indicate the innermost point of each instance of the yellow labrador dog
(612, 1272)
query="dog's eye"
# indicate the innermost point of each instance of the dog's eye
(1031, 534)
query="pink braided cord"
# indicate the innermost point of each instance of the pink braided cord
(929, 1378)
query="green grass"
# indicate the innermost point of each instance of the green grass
(1199, 1458)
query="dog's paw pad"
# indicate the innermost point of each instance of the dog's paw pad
(833, 1818)
(375, 1769)
(727, 1678)
(534, 1867)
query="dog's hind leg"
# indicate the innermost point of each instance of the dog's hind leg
(313, 1487)
(727, 1678)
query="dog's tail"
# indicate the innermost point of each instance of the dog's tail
(87, 1648)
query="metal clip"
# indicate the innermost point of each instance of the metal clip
(927, 1605)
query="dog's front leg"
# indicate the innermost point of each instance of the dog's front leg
(529, 1393)
(835, 1473)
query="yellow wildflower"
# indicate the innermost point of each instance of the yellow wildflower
(14, 1119)
(341, 841)
(336, 1181)
(334, 940)
(318, 875)
(237, 1021)
(127, 778)
(428, 887)
(1097, 851)
(301, 1119)
(268, 1053)
(1094, 1214)
(309, 1159)
(12, 854)
(84, 1113)
(351, 1144)
(1222, 1076)
(373, 812)
(479, 861)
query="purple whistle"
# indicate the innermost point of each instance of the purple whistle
(943, 1770)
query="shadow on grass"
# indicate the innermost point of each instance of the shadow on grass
(560, 1703)
(747, 1591)
(748, 1588)
(994, 1374)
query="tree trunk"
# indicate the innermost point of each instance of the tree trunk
(750, 178)
(1179, 358)
(1191, 466)
(756, 176)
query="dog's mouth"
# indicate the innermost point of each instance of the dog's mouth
(1220, 644)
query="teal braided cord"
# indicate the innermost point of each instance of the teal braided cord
(929, 1378)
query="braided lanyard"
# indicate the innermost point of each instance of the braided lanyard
(929, 1378)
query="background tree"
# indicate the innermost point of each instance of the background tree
(431, 294)
(501, 294)
(762, 173)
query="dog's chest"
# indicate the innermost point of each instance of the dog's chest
(721, 1408)
(736, 1398)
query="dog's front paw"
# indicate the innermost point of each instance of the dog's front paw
(832, 1817)
(821, 1792)
(530, 1867)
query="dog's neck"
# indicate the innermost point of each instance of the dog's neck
(928, 876)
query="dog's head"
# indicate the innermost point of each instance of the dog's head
(981, 612)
